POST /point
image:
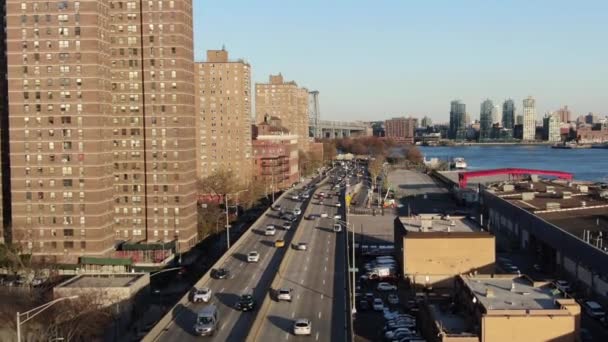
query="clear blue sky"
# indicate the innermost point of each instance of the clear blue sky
(372, 60)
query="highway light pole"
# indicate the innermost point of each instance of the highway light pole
(227, 218)
(353, 267)
(35, 311)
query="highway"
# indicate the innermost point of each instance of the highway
(252, 278)
(317, 277)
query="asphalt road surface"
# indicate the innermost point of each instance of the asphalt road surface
(252, 278)
(318, 281)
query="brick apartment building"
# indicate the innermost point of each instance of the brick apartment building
(286, 101)
(400, 129)
(101, 125)
(275, 155)
(223, 111)
(588, 135)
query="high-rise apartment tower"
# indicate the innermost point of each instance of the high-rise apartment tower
(529, 119)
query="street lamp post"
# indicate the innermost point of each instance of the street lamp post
(227, 218)
(35, 312)
(353, 264)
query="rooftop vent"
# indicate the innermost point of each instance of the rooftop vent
(566, 194)
(553, 205)
(512, 287)
(527, 196)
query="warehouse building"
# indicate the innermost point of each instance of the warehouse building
(496, 308)
(432, 249)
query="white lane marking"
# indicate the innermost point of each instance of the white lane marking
(321, 296)
(302, 281)
(319, 314)
(222, 326)
(241, 265)
(323, 281)
(325, 268)
(326, 258)
(222, 290)
(305, 268)
(287, 336)
(298, 296)
(293, 314)
(317, 336)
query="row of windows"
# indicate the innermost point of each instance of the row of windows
(61, 18)
(61, 31)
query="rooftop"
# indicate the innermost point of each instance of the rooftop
(510, 293)
(102, 280)
(451, 323)
(435, 223)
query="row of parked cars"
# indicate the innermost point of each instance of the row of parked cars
(15, 280)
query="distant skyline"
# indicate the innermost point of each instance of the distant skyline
(377, 60)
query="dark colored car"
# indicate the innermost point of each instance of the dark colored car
(246, 303)
(363, 305)
(220, 273)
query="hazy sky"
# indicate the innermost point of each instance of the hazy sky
(373, 60)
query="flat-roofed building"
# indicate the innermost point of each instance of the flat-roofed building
(400, 129)
(223, 116)
(497, 308)
(432, 249)
(286, 101)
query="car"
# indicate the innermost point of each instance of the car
(322, 194)
(377, 304)
(313, 216)
(286, 225)
(383, 286)
(302, 246)
(321, 202)
(337, 227)
(324, 215)
(295, 197)
(563, 285)
(302, 326)
(284, 295)
(363, 305)
(276, 207)
(270, 230)
(279, 243)
(393, 299)
(246, 303)
(289, 217)
(399, 331)
(594, 309)
(297, 211)
(202, 294)
(305, 195)
(337, 217)
(585, 335)
(253, 256)
(38, 281)
(338, 205)
(220, 273)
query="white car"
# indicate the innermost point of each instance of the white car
(378, 305)
(337, 217)
(338, 204)
(302, 326)
(201, 295)
(382, 286)
(295, 197)
(286, 225)
(270, 230)
(302, 246)
(284, 295)
(324, 215)
(253, 256)
(297, 211)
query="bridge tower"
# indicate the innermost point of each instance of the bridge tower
(314, 115)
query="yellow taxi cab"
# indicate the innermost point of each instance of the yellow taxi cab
(279, 243)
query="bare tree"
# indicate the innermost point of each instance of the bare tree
(219, 183)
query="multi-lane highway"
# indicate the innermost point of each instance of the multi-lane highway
(250, 278)
(317, 278)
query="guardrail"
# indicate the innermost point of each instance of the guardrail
(162, 325)
(261, 314)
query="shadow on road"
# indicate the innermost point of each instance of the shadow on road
(282, 323)
(240, 257)
(267, 243)
(228, 299)
(184, 318)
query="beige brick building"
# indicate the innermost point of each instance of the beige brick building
(101, 97)
(223, 116)
(286, 101)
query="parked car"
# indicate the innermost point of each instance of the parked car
(284, 295)
(38, 281)
(563, 286)
(202, 294)
(399, 331)
(302, 326)
(378, 305)
(594, 309)
(383, 286)
(393, 299)
(363, 305)
(253, 256)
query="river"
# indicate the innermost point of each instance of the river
(585, 164)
